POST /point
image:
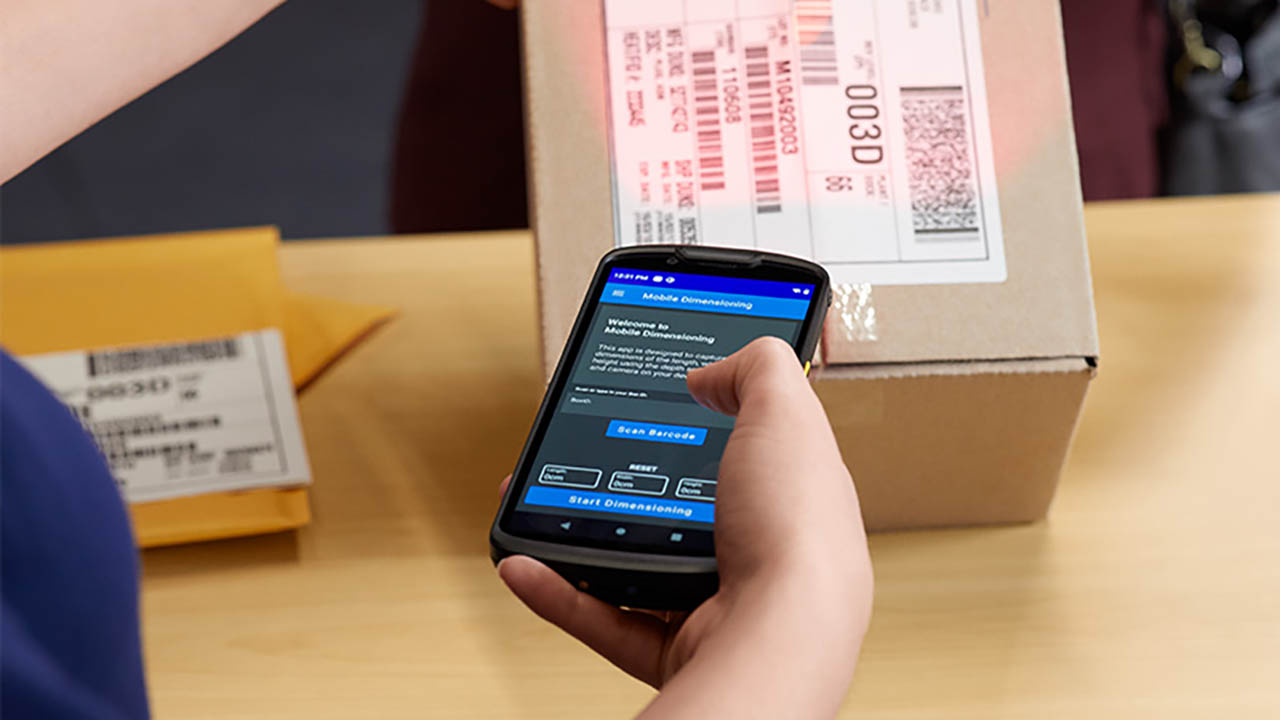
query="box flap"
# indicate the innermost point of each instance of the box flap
(897, 371)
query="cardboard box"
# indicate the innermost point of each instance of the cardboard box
(954, 397)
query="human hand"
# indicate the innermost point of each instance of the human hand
(795, 577)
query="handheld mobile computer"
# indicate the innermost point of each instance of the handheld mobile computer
(616, 486)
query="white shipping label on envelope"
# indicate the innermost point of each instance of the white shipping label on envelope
(851, 132)
(187, 418)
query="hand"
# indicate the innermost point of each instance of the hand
(795, 577)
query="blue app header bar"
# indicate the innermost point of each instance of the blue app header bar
(714, 302)
(711, 283)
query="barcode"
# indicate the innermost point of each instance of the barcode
(150, 425)
(122, 457)
(123, 361)
(764, 152)
(706, 108)
(814, 25)
(944, 198)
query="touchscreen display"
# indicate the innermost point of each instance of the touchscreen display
(626, 442)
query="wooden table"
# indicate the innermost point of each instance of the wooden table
(1152, 591)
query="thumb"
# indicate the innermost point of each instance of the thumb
(766, 366)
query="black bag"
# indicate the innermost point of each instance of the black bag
(1225, 131)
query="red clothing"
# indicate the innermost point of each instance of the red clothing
(1116, 59)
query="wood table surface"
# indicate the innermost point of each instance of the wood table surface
(1152, 590)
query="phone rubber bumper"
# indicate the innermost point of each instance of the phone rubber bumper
(650, 589)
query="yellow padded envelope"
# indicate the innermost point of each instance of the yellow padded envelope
(169, 288)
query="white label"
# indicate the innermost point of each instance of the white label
(851, 132)
(186, 418)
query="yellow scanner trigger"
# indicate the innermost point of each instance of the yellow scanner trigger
(807, 365)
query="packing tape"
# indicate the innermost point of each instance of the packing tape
(852, 316)
(855, 311)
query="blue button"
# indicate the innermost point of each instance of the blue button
(653, 432)
(623, 504)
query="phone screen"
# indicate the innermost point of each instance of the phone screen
(628, 460)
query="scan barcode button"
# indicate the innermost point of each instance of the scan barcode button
(654, 432)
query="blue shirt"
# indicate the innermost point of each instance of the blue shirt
(69, 640)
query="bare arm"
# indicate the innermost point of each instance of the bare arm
(65, 64)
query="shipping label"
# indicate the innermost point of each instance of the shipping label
(851, 132)
(185, 418)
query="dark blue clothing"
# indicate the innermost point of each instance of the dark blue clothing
(69, 640)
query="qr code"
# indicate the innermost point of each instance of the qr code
(944, 198)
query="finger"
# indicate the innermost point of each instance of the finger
(780, 433)
(781, 429)
(632, 641)
(502, 486)
(767, 365)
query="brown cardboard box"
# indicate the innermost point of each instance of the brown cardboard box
(953, 403)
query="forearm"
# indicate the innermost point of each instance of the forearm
(788, 652)
(65, 64)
